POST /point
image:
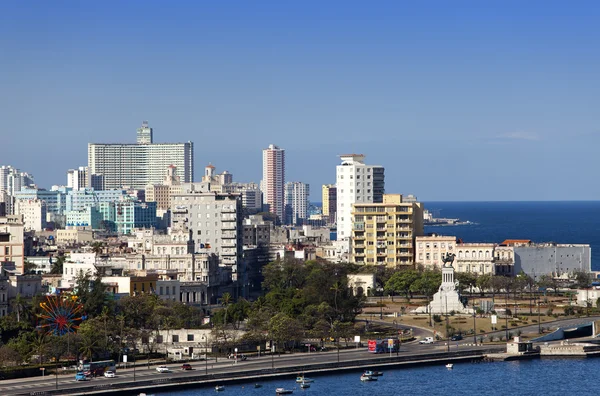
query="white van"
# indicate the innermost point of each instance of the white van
(426, 340)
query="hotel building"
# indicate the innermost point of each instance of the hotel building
(272, 184)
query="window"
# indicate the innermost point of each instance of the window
(190, 337)
(175, 338)
(442, 245)
(427, 256)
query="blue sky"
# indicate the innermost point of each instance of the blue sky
(458, 100)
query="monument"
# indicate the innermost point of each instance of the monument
(447, 299)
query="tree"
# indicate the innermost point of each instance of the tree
(284, 329)
(9, 356)
(401, 282)
(19, 304)
(484, 282)
(582, 279)
(29, 267)
(225, 301)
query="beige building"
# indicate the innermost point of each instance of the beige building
(429, 250)
(475, 257)
(329, 199)
(162, 193)
(33, 212)
(12, 247)
(384, 233)
(73, 236)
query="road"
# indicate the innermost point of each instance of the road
(298, 360)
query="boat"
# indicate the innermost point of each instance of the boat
(366, 378)
(304, 385)
(283, 391)
(257, 385)
(301, 379)
(374, 373)
(449, 366)
(220, 388)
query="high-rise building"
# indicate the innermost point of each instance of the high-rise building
(272, 184)
(214, 222)
(384, 233)
(13, 180)
(33, 212)
(137, 165)
(144, 134)
(329, 200)
(77, 178)
(356, 183)
(296, 202)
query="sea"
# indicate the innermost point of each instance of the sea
(549, 221)
(548, 377)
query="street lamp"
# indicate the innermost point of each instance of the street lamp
(205, 355)
(397, 336)
(506, 313)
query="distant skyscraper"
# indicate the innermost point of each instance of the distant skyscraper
(356, 183)
(296, 202)
(13, 180)
(329, 198)
(144, 134)
(272, 184)
(140, 164)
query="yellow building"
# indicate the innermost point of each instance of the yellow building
(384, 233)
(329, 199)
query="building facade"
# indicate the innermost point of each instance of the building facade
(431, 249)
(214, 221)
(476, 258)
(78, 178)
(552, 259)
(356, 183)
(329, 199)
(384, 233)
(12, 242)
(296, 202)
(33, 212)
(137, 165)
(273, 181)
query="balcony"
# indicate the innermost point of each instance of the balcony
(223, 218)
(359, 236)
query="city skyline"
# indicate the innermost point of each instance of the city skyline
(484, 102)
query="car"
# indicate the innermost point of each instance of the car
(456, 337)
(109, 374)
(163, 369)
(426, 340)
(186, 366)
(80, 376)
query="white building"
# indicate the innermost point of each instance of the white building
(296, 202)
(77, 178)
(252, 199)
(215, 223)
(137, 165)
(273, 181)
(33, 212)
(358, 183)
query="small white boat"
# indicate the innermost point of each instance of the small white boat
(302, 379)
(373, 373)
(220, 388)
(366, 378)
(449, 366)
(283, 391)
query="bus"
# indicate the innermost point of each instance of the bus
(383, 346)
(98, 368)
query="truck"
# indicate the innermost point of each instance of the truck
(426, 340)
(383, 345)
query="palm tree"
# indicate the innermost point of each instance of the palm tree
(225, 301)
(19, 305)
(88, 347)
(40, 344)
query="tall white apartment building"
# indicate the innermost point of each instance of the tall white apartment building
(77, 178)
(296, 202)
(33, 212)
(213, 221)
(272, 184)
(137, 165)
(356, 183)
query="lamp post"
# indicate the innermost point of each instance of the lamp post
(395, 322)
(205, 355)
(506, 313)
(381, 306)
(539, 324)
(474, 325)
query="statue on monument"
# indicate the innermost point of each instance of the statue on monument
(448, 259)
